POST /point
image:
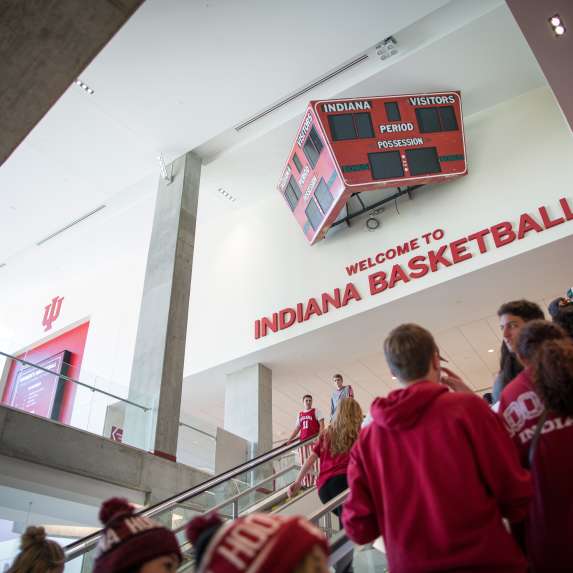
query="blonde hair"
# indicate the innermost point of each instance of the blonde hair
(38, 554)
(345, 426)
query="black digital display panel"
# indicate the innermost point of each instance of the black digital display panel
(312, 147)
(432, 119)
(350, 126)
(313, 214)
(392, 111)
(297, 162)
(323, 196)
(363, 125)
(448, 118)
(423, 161)
(428, 120)
(292, 193)
(342, 126)
(386, 165)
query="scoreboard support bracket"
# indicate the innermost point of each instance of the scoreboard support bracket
(364, 209)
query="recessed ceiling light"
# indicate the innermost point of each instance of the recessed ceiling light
(226, 194)
(490, 350)
(557, 25)
(84, 86)
(394, 378)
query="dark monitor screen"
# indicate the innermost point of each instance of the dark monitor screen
(423, 161)
(313, 214)
(323, 196)
(297, 162)
(386, 165)
(428, 120)
(342, 126)
(292, 193)
(448, 118)
(392, 111)
(363, 125)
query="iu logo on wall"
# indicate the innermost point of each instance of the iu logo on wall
(51, 312)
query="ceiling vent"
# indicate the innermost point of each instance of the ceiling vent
(69, 225)
(302, 91)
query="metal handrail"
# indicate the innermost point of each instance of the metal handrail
(328, 506)
(238, 496)
(92, 388)
(83, 545)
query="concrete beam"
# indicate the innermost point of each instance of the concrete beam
(45, 46)
(50, 444)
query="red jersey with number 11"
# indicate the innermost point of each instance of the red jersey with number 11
(308, 423)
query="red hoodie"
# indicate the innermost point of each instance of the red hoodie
(434, 474)
(550, 524)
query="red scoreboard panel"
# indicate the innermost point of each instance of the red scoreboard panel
(347, 146)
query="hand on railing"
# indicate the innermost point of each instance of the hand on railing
(293, 488)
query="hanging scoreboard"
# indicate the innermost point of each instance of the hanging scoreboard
(348, 146)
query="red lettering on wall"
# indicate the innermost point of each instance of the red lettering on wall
(312, 308)
(503, 234)
(418, 266)
(350, 293)
(547, 221)
(328, 300)
(459, 251)
(287, 317)
(437, 257)
(526, 224)
(566, 209)
(397, 275)
(377, 282)
(479, 238)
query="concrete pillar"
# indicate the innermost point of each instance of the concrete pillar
(552, 53)
(249, 406)
(157, 371)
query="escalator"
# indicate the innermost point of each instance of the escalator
(259, 485)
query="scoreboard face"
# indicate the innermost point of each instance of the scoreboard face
(347, 146)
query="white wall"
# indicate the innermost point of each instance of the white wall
(256, 261)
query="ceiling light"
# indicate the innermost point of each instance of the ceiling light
(387, 48)
(85, 87)
(394, 378)
(557, 25)
(226, 194)
(490, 350)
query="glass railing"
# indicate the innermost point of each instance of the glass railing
(92, 404)
(233, 493)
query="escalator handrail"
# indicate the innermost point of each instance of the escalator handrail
(80, 546)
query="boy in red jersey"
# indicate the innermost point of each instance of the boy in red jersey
(309, 422)
(435, 472)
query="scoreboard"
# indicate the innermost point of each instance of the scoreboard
(348, 146)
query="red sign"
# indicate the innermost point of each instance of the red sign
(351, 146)
(51, 312)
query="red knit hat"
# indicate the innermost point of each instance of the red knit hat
(257, 543)
(129, 541)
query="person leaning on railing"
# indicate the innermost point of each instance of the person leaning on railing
(38, 554)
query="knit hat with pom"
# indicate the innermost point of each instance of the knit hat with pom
(253, 544)
(130, 541)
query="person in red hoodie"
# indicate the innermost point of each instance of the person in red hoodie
(537, 408)
(435, 472)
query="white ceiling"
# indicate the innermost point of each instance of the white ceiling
(181, 74)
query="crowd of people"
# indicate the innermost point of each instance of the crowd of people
(450, 482)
